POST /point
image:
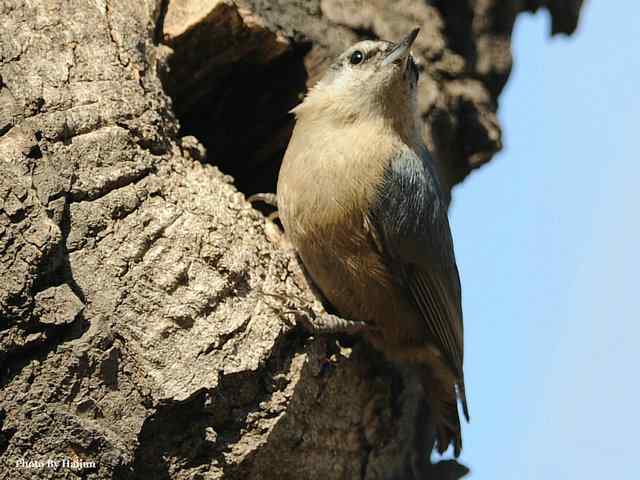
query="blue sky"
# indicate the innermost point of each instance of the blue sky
(547, 238)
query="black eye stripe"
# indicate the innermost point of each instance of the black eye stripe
(414, 67)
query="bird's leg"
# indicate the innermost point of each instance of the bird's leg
(324, 322)
(273, 232)
(315, 320)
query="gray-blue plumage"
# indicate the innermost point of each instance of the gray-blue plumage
(360, 202)
(410, 218)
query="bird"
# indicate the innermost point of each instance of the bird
(360, 201)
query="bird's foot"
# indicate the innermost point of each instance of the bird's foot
(274, 233)
(267, 198)
(327, 323)
(315, 320)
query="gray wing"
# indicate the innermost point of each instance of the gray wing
(410, 220)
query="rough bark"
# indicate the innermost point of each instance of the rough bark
(143, 302)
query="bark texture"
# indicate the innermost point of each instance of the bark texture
(144, 325)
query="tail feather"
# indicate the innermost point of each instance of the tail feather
(443, 391)
(448, 430)
(462, 395)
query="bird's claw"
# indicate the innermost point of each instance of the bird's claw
(267, 198)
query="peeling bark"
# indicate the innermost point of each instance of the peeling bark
(144, 304)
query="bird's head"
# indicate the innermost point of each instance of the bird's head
(369, 79)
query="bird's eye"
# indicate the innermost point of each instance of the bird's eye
(356, 57)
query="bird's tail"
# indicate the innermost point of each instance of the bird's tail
(442, 395)
(447, 426)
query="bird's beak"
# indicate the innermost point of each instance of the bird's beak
(401, 49)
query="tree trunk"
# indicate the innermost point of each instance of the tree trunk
(144, 325)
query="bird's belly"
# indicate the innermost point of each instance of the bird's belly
(353, 277)
(347, 276)
(323, 213)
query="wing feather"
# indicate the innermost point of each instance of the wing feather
(442, 320)
(410, 226)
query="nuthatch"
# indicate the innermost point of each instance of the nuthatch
(360, 201)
